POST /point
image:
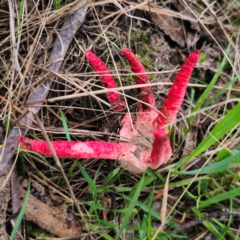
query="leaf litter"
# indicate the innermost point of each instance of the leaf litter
(161, 53)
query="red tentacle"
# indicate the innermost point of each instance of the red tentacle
(161, 149)
(107, 80)
(78, 149)
(137, 67)
(176, 94)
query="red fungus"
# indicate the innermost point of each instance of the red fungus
(141, 78)
(176, 93)
(107, 80)
(148, 144)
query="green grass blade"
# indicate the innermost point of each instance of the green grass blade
(147, 181)
(21, 214)
(97, 172)
(209, 87)
(19, 17)
(57, 4)
(87, 178)
(145, 208)
(212, 226)
(111, 176)
(65, 126)
(106, 236)
(220, 197)
(223, 90)
(40, 156)
(72, 168)
(95, 203)
(125, 221)
(7, 125)
(231, 120)
(187, 181)
(216, 167)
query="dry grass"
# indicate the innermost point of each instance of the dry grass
(27, 37)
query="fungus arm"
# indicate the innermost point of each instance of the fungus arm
(161, 149)
(137, 67)
(107, 80)
(176, 94)
(131, 156)
(78, 149)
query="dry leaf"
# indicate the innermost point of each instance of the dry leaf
(49, 212)
(174, 29)
(170, 26)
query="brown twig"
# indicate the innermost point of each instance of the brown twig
(192, 223)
